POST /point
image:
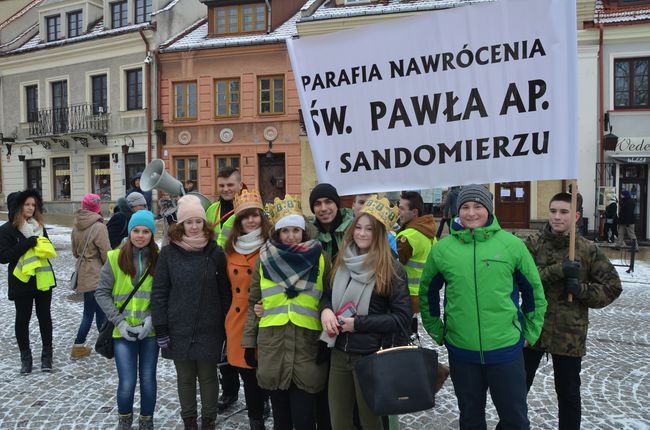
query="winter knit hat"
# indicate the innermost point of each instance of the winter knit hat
(136, 199)
(144, 218)
(324, 190)
(92, 203)
(189, 206)
(475, 193)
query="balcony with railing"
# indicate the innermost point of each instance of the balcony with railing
(83, 118)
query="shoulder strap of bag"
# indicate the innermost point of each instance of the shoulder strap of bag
(146, 273)
(85, 245)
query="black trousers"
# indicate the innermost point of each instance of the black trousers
(293, 409)
(229, 380)
(255, 396)
(24, 305)
(566, 373)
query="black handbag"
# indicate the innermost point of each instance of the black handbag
(398, 380)
(104, 343)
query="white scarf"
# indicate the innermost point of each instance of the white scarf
(30, 228)
(249, 242)
(353, 282)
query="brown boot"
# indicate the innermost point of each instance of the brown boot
(208, 423)
(190, 424)
(79, 351)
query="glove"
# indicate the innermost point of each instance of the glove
(32, 241)
(127, 331)
(147, 325)
(572, 286)
(164, 342)
(249, 356)
(571, 269)
(324, 352)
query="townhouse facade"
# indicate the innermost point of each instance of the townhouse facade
(77, 95)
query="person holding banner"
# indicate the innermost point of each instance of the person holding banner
(593, 282)
(486, 272)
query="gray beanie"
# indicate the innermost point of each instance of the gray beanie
(475, 193)
(136, 199)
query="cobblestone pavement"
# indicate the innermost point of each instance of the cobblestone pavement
(81, 394)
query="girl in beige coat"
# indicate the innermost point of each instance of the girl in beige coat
(89, 244)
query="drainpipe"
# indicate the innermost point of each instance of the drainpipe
(601, 113)
(147, 86)
(159, 149)
(268, 19)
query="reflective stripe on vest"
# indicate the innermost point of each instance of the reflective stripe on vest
(421, 245)
(302, 310)
(225, 231)
(138, 307)
(34, 262)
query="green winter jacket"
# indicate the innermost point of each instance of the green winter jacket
(565, 324)
(486, 273)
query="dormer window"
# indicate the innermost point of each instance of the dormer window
(142, 11)
(75, 27)
(53, 27)
(248, 18)
(119, 14)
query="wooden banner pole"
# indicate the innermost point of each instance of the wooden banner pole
(572, 230)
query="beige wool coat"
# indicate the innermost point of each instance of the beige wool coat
(98, 245)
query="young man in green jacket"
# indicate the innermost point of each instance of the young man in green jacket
(494, 304)
(591, 280)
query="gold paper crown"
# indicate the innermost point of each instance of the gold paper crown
(381, 210)
(281, 208)
(248, 199)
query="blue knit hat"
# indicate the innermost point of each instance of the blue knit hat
(142, 217)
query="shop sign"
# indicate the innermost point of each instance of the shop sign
(634, 150)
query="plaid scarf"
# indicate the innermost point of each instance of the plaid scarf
(294, 267)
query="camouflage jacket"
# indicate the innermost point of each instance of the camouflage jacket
(565, 324)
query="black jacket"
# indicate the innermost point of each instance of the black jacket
(12, 246)
(626, 214)
(387, 323)
(117, 226)
(189, 301)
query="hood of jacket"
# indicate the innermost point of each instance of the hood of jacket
(480, 234)
(84, 218)
(424, 224)
(15, 200)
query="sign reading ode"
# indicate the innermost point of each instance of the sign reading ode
(474, 94)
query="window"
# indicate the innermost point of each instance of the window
(100, 175)
(185, 100)
(240, 19)
(34, 176)
(75, 24)
(60, 106)
(134, 89)
(31, 94)
(187, 169)
(227, 161)
(119, 14)
(631, 83)
(99, 94)
(626, 3)
(227, 97)
(135, 163)
(61, 173)
(271, 95)
(142, 11)
(53, 27)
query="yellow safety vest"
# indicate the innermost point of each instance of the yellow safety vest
(138, 307)
(302, 310)
(221, 230)
(421, 245)
(34, 263)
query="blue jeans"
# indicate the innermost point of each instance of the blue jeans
(91, 310)
(131, 357)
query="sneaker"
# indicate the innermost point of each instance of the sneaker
(79, 351)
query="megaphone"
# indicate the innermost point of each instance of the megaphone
(155, 176)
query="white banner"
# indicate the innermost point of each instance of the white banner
(475, 94)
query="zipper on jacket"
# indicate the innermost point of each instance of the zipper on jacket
(198, 313)
(478, 313)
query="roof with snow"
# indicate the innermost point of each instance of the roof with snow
(96, 32)
(196, 37)
(619, 15)
(328, 10)
(20, 13)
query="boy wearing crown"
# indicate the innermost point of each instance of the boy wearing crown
(494, 304)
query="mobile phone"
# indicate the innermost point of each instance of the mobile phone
(348, 310)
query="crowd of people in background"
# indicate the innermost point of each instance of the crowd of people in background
(290, 305)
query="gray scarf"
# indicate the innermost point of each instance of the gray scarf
(353, 282)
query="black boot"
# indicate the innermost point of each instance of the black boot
(256, 424)
(46, 359)
(25, 362)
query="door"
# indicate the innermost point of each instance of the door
(634, 178)
(60, 107)
(34, 180)
(271, 176)
(512, 204)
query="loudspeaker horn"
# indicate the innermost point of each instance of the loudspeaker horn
(205, 202)
(155, 176)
